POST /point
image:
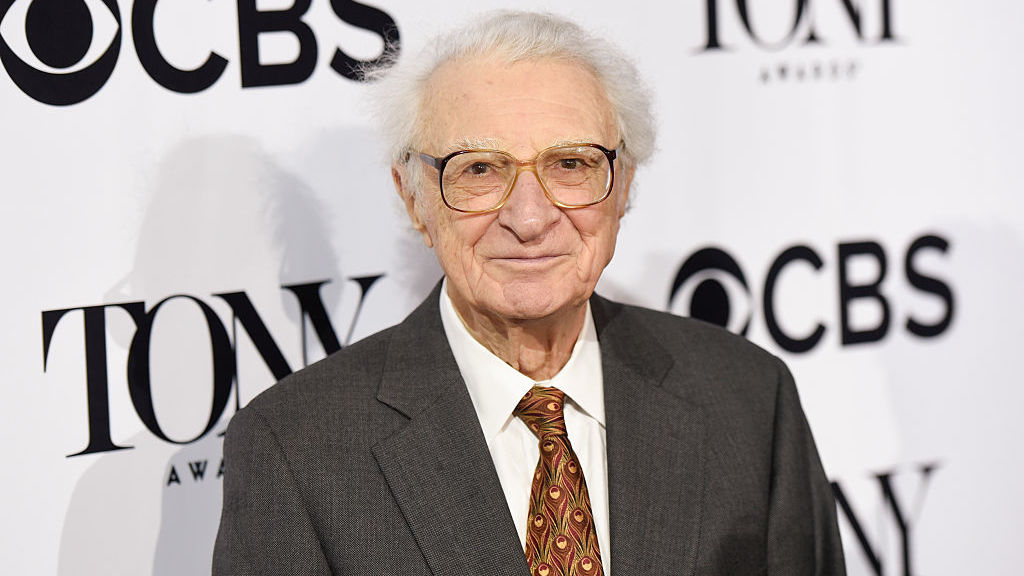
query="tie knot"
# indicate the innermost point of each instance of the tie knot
(541, 411)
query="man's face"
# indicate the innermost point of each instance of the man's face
(529, 259)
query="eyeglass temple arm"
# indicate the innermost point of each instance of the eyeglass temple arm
(435, 162)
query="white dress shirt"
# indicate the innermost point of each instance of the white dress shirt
(496, 388)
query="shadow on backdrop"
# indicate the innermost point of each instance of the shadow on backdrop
(222, 217)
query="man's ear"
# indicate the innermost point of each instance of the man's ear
(407, 192)
(623, 183)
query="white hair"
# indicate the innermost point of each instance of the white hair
(514, 36)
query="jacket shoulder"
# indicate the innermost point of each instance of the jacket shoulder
(709, 364)
(336, 393)
(357, 364)
(690, 339)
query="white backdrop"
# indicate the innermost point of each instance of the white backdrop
(860, 166)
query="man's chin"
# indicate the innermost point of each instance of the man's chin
(534, 301)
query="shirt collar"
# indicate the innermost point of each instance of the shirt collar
(496, 388)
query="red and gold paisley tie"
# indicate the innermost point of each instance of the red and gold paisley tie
(560, 535)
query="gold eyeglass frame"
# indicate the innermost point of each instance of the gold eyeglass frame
(440, 163)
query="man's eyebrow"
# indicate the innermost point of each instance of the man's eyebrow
(473, 144)
(571, 141)
(495, 144)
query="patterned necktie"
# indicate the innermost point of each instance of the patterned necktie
(560, 535)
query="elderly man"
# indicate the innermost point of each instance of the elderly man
(516, 423)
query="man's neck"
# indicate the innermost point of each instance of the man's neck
(538, 348)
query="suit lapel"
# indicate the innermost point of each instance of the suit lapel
(438, 465)
(655, 451)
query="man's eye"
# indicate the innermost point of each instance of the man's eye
(478, 168)
(570, 163)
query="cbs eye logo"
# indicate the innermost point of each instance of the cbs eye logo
(59, 52)
(707, 286)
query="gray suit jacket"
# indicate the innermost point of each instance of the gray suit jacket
(372, 462)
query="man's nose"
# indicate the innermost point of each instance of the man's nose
(528, 212)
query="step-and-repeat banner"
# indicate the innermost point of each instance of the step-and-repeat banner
(195, 204)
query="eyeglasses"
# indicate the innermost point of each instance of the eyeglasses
(572, 176)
